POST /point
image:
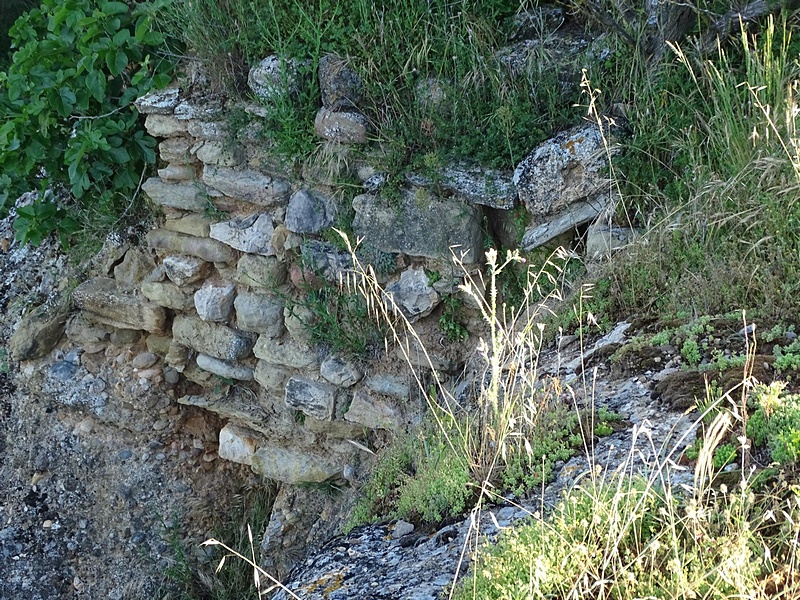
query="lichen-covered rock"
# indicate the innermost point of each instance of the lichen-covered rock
(326, 260)
(159, 102)
(178, 243)
(412, 294)
(420, 224)
(183, 270)
(105, 303)
(219, 154)
(272, 377)
(176, 150)
(339, 371)
(213, 339)
(164, 126)
(247, 185)
(313, 398)
(168, 295)
(309, 212)
(260, 313)
(603, 239)
(343, 127)
(214, 301)
(260, 272)
(286, 352)
(183, 196)
(563, 170)
(39, 331)
(293, 465)
(208, 130)
(273, 77)
(340, 86)
(252, 234)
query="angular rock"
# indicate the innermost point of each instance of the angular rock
(223, 368)
(340, 86)
(237, 444)
(343, 127)
(104, 303)
(573, 216)
(158, 344)
(260, 272)
(176, 150)
(247, 185)
(563, 170)
(420, 226)
(311, 397)
(159, 102)
(168, 295)
(602, 239)
(339, 371)
(86, 334)
(480, 186)
(373, 413)
(208, 130)
(286, 352)
(219, 154)
(214, 301)
(177, 356)
(184, 196)
(293, 466)
(326, 260)
(252, 234)
(299, 320)
(234, 404)
(412, 294)
(309, 212)
(260, 313)
(183, 270)
(178, 243)
(213, 339)
(389, 385)
(177, 173)
(273, 77)
(164, 126)
(271, 377)
(136, 265)
(190, 110)
(39, 331)
(196, 225)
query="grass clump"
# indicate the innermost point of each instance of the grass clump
(711, 172)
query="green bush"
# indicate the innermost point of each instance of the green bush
(776, 423)
(69, 123)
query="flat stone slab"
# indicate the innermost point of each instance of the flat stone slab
(286, 352)
(105, 303)
(420, 224)
(168, 295)
(179, 243)
(223, 368)
(313, 398)
(252, 234)
(260, 313)
(181, 195)
(577, 214)
(213, 339)
(247, 185)
(292, 465)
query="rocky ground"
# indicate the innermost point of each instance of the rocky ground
(103, 475)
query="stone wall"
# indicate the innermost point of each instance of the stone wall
(217, 291)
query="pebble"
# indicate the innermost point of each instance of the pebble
(160, 424)
(171, 376)
(47, 524)
(144, 360)
(63, 370)
(402, 528)
(125, 454)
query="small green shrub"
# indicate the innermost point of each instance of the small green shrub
(787, 358)
(776, 422)
(66, 103)
(690, 351)
(449, 321)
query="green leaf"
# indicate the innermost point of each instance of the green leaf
(120, 155)
(96, 83)
(114, 8)
(116, 62)
(65, 101)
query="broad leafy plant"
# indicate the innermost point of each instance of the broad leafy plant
(67, 113)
